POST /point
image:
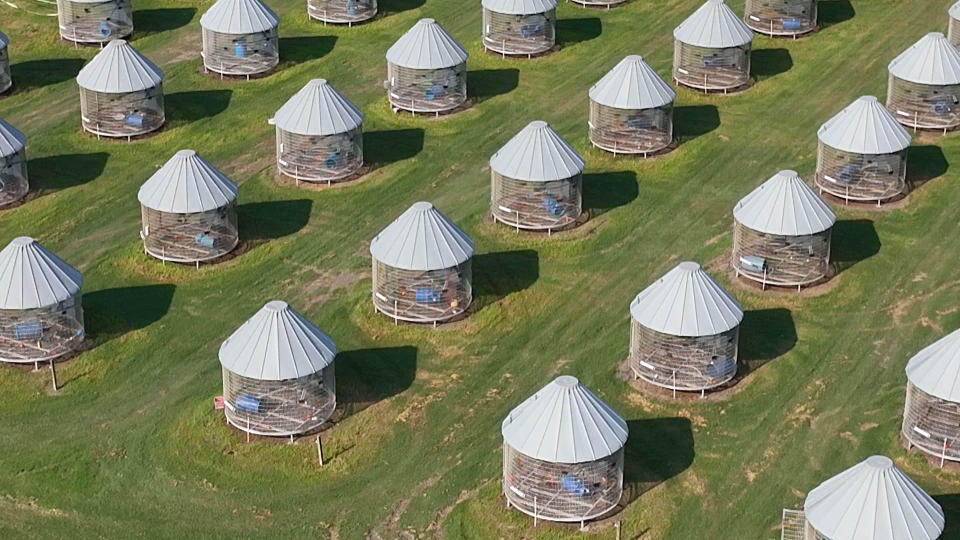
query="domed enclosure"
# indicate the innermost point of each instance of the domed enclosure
(94, 21)
(537, 180)
(188, 211)
(426, 70)
(781, 17)
(319, 135)
(422, 267)
(563, 454)
(519, 27)
(121, 93)
(599, 3)
(862, 153)
(342, 11)
(278, 374)
(684, 331)
(923, 91)
(781, 233)
(953, 30)
(13, 165)
(6, 81)
(712, 49)
(41, 316)
(931, 415)
(631, 109)
(240, 38)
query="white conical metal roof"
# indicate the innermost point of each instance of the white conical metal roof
(4, 40)
(119, 68)
(537, 154)
(873, 500)
(632, 84)
(932, 60)
(422, 239)
(32, 277)
(520, 7)
(12, 140)
(936, 369)
(318, 109)
(239, 17)
(426, 46)
(564, 422)
(187, 184)
(686, 301)
(714, 25)
(864, 127)
(785, 205)
(277, 344)
(954, 11)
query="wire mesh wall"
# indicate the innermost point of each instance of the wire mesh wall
(536, 205)
(95, 22)
(122, 115)
(931, 424)
(562, 491)
(688, 363)
(953, 32)
(519, 34)
(6, 81)
(39, 335)
(319, 158)
(427, 90)
(279, 408)
(189, 238)
(13, 178)
(861, 177)
(631, 131)
(781, 17)
(924, 106)
(240, 54)
(422, 296)
(793, 525)
(773, 259)
(342, 11)
(711, 69)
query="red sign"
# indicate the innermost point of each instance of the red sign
(218, 403)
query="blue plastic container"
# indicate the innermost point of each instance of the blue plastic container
(240, 48)
(574, 485)
(28, 331)
(428, 296)
(204, 240)
(135, 120)
(248, 403)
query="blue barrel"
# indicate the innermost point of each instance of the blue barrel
(134, 120)
(204, 240)
(248, 403)
(105, 29)
(574, 485)
(28, 331)
(241, 49)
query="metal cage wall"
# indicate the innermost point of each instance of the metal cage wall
(536, 205)
(953, 32)
(781, 17)
(631, 131)
(319, 158)
(707, 69)
(240, 54)
(509, 34)
(122, 115)
(687, 363)
(427, 90)
(342, 11)
(562, 491)
(95, 22)
(6, 81)
(931, 424)
(189, 238)
(924, 106)
(861, 177)
(13, 178)
(422, 296)
(279, 408)
(786, 261)
(41, 335)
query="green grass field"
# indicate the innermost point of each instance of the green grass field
(132, 446)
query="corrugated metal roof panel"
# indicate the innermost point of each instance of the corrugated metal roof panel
(932, 60)
(686, 301)
(426, 46)
(785, 205)
(118, 69)
(187, 184)
(714, 25)
(12, 140)
(632, 84)
(318, 109)
(32, 277)
(239, 17)
(520, 7)
(864, 127)
(537, 154)
(424, 239)
(936, 368)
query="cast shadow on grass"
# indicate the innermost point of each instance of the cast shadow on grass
(498, 274)
(305, 48)
(399, 6)
(766, 63)
(657, 450)
(483, 84)
(111, 313)
(573, 31)
(831, 12)
(367, 376)
(381, 148)
(765, 335)
(605, 191)
(951, 511)
(262, 221)
(40, 73)
(154, 21)
(924, 163)
(692, 121)
(853, 240)
(195, 105)
(53, 173)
